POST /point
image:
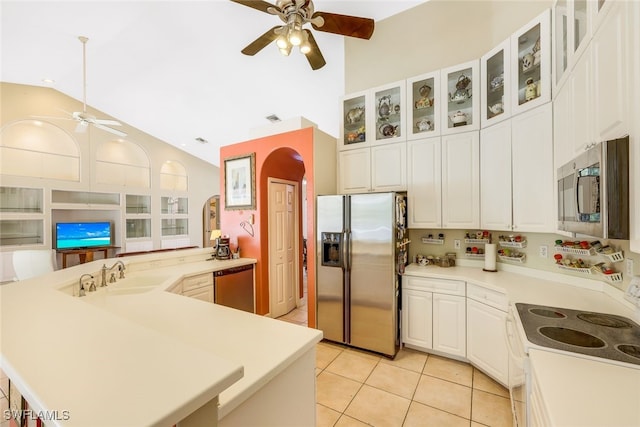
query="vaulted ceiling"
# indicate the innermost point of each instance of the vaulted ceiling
(173, 69)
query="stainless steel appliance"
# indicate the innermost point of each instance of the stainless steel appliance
(361, 251)
(593, 191)
(233, 287)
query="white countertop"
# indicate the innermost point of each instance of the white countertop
(577, 391)
(138, 359)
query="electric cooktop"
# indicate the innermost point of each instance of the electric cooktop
(602, 335)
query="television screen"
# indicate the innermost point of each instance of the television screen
(71, 235)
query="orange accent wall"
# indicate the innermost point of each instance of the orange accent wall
(287, 156)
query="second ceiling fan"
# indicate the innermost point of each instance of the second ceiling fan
(295, 14)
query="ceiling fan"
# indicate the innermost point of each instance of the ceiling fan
(295, 14)
(83, 118)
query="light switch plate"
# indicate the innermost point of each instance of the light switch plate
(544, 251)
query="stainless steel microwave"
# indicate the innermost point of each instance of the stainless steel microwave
(593, 191)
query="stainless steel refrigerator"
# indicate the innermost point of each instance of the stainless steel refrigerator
(361, 252)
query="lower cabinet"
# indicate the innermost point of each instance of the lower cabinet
(486, 333)
(433, 315)
(199, 286)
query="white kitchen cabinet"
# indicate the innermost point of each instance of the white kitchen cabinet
(571, 20)
(204, 293)
(580, 85)
(634, 145)
(199, 286)
(495, 75)
(433, 315)
(486, 341)
(375, 169)
(423, 106)
(460, 180)
(417, 318)
(461, 98)
(495, 177)
(533, 173)
(449, 334)
(424, 183)
(354, 132)
(610, 57)
(531, 64)
(562, 127)
(560, 45)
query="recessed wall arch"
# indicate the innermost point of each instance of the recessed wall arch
(173, 176)
(39, 149)
(122, 162)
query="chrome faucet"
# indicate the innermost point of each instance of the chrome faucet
(112, 279)
(81, 291)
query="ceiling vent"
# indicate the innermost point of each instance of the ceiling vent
(201, 140)
(273, 118)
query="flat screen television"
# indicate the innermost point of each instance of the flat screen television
(76, 235)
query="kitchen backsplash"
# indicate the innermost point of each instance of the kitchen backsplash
(532, 251)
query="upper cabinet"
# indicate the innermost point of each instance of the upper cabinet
(461, 92)
(496, 82)
(423, 106)
(571, 20)
(531, 64)
(374, 116)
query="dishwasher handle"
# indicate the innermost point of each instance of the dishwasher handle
(232, 270)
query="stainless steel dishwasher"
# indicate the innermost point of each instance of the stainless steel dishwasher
(233, 287)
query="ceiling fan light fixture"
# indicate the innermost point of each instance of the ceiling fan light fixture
(305, 46)
(295, 35)
(282, 42)
(286, 51)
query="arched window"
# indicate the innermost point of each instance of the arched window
(38, 149)
(121, 162)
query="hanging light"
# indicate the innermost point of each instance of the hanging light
(286, 50)
(305, 46)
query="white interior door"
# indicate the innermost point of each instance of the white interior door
(283, 235)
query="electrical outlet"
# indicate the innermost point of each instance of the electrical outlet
(456, 244)
(629, 267)
(544, 251)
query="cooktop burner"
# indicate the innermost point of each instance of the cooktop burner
(602, 335)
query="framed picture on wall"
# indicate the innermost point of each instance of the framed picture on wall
(240, 182)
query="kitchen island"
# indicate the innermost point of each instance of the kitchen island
(132, 354)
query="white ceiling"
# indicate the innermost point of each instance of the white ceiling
(173, 69)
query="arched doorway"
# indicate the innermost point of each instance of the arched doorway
(210, 219)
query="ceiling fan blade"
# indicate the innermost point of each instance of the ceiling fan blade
(81, 127)
(50, 118)
(107, 122)
(108, 129)
(351, 26)
(258, 44)
(315, 58)
(262, 6)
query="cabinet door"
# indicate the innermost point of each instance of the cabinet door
(417, 313)
(388, 113)
(532, 160)
(355, 171)
(581, 83)
(495, 177)
(423, 106)
(531, 64)
(561, 36)
(424, 188)
(461, 98)
(389, 167)
(204, 293)
(563, 150)
(610, 57)
(496, 81)
(460, 180)
(449, 328)
(486, 340)
(634, 146)
(353, 121)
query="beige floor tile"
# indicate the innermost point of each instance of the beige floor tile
(378, 407)
(325, 353)
(409, 359)
(335, 391)
(352, 365)
(326, 417)
(483, 382)
(420, 415)
(444, 395)
(393, 379)
(347, 421)
(490, 409)
(449, 369)
(318, 370)
(364, 353)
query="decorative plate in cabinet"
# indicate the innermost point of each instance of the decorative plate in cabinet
(388, 110)
(496, 82)
(354, 121)
(462, 96)
(423, 103)
(531, 64)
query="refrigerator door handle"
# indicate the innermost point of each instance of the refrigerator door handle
(346, 250)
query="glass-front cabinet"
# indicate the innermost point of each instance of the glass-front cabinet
(496, 82)
(461, 94)
(423, 106)
(531, 64)
(560, 41)
(353, 122)
(138, 216)
(389, 113)
(21, 216)
(571, 34)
